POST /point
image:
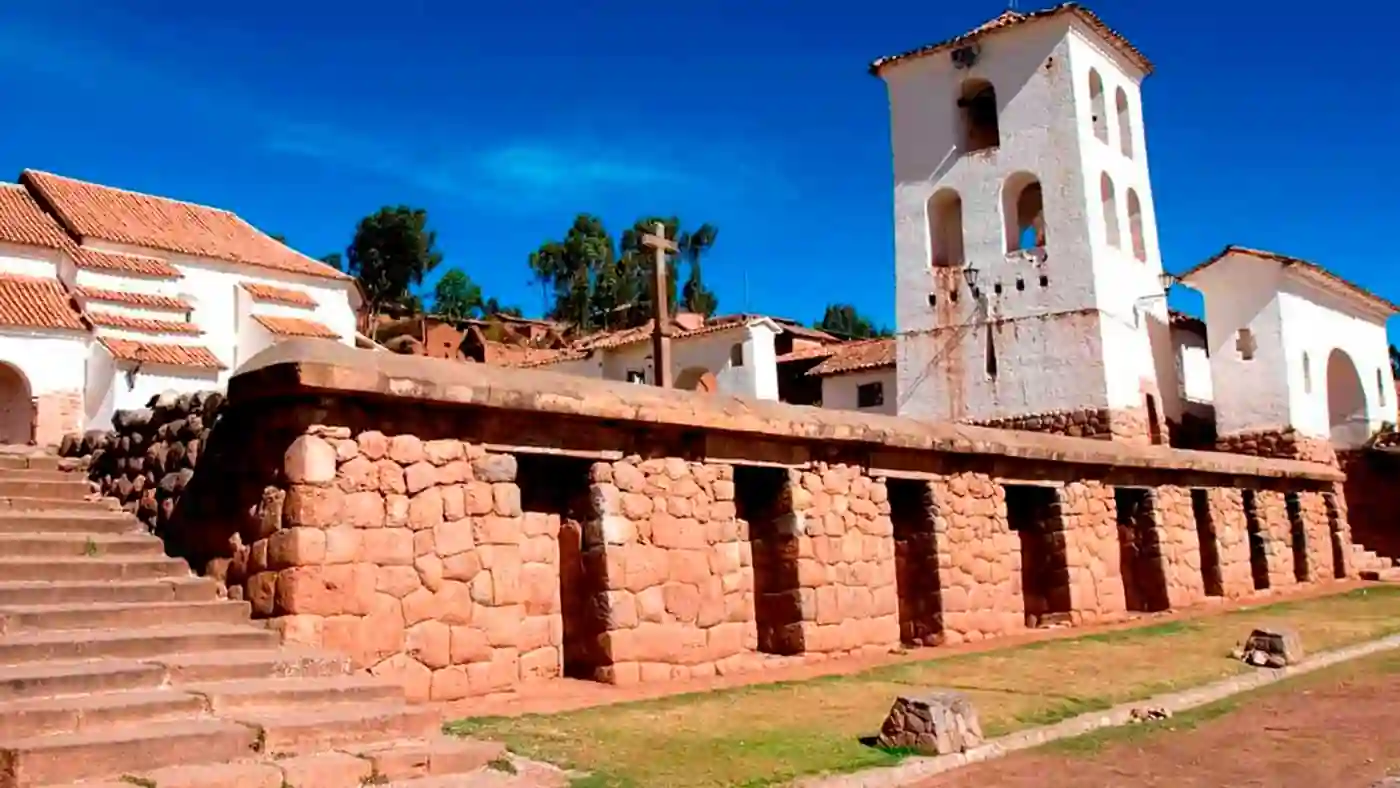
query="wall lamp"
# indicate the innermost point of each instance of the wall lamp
(970, 276)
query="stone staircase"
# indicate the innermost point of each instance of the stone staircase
(1372, 566)
(118, 667)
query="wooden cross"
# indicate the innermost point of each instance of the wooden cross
(657, 241)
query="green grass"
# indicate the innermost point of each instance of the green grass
(773, 733)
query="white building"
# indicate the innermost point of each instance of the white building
(1028, 271)
(1294, 348)
(108, 297)
(859, 376)
(730, 357)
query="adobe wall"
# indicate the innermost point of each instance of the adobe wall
(1371, 478)
(467, 529)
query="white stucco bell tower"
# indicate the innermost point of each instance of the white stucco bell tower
(1028, 271)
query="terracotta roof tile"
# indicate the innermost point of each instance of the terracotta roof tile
(94, 259)
(90, 210)
(295, 327)
(146, 300)
(160, 353)
(821, 351)
(31, 302)
(857, 356)
(143, 324)
(543, 358)
(280, 295)
(23, 221)
(1010, 19)
(1313, 269)
(642, 333)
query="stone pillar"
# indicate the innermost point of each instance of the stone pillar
(1278, 537)
(1091, 551)
(846, 561)
(1232, 541)
(56, 414)
(680, 576)
(979, 559)
(1339, 527)
(1180, 546)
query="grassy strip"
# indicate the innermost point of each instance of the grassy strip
(773, 733)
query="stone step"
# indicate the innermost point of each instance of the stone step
(65, 490)
(31, 504)
(437, 755)
(46, 760)
(91, 569)
(73, 545)
(239, 774)
(174, 589)
(302, 691)
(75, 644)
(103, 521)
(301, 731)
(38, 475)
(110, 615)
(77, 713)
(277, 662)
(17, 462)
(56, 678)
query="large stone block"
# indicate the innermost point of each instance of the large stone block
(936, 723)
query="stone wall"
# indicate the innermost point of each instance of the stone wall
(56, 415)
(468, 531)
(149, 456)
(1286, 444)
(1128, 425)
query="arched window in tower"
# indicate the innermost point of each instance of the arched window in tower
(1023, 210)
(1125, 123)
(977, 108)
(1098, 109)
(1135, 226)
(945, 229)
(1110, 211)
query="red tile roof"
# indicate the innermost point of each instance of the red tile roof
(543, 357)
(1312, 270)
(281, 295)
(94, 259)
(295, 327)
(159, 353)
(22, 221)
(90, 210)
(143, 324)
(1010, 19)
(31, 302)
(145, 300)
(857, 356)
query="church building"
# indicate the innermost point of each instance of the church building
(108, 297)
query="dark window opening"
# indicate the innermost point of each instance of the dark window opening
(1033, 512)
(1207, 535)
(917, 582)
(870, 395)
(991, 354)
(1140, 551)
(559, 488)
(1298, 530)
(764, 501)
(1154, 425)
(978, 110)
(1258, 547)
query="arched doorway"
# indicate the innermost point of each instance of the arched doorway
(698, 379)
(16, 407)
(1346, 402)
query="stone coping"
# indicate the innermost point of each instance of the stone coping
(301, 366)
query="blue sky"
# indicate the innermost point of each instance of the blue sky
(504, 120)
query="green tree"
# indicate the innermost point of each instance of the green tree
(568, 269)
(334, 260)
(278, 237)
(392, 251)
(494, 307)
(844, 321)
(695, 296)
(456, 296)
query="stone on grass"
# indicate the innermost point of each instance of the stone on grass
(935, 723)
(1273, 647)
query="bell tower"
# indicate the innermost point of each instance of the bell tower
(1029, 282)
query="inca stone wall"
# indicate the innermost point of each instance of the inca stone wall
(468, 531)
(1281, 444)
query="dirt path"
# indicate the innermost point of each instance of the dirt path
(1342, 731)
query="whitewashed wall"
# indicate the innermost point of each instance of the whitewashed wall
(29, 261)
(841, 391)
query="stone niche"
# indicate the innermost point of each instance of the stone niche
(467, 530)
